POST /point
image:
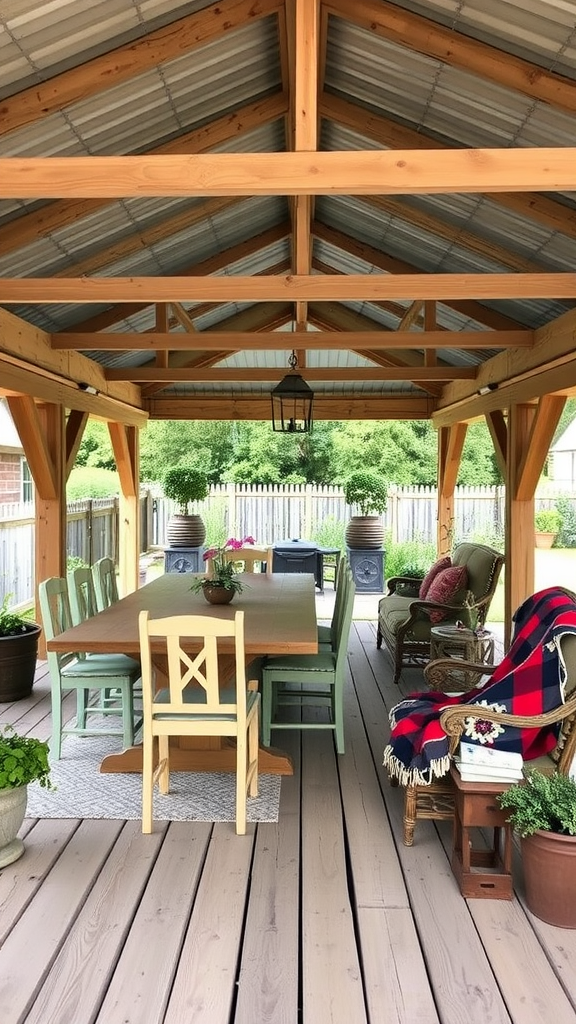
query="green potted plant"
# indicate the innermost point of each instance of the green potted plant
(543, 811)
(18, 653)
(23, 759)
(185, 484)
(222, 583)
(368, 492)
(547, 524)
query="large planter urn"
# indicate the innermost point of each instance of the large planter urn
(549, 861)
(365, 532)
(12, 810)
(18, 656)
(186, 531)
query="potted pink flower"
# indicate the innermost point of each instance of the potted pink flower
(222, 583)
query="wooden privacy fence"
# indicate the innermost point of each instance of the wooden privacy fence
(268, 514)
(271, 514)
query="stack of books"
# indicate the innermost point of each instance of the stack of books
(487, 764)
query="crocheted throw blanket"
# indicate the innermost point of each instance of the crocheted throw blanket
(529, 681)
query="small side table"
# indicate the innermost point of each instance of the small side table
(481, 873)
(455, 642)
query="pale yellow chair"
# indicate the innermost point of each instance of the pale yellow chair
(250, 559)
(194, 703)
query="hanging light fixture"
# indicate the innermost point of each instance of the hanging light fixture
(292, 402)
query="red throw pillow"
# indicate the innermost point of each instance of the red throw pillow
(442, 563)
(445, 586)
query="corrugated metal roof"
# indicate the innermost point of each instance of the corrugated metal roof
(241, 65)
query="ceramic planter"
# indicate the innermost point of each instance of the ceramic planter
(12, 810)
(549, 861)
(186, 531)
(365, 532)
(18, 656)
(217, 595)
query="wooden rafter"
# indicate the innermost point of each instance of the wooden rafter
(399, 26)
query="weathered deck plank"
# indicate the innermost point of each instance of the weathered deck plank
(269, 968)
(323, 917)
(35, 940)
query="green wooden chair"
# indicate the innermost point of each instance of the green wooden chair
(315, 680)
(83, 673)
(328, 635)
(83, 605)
(105, 583)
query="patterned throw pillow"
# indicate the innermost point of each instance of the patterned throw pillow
(442, 563)
(444, 588)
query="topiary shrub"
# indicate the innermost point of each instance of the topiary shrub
(368, 491)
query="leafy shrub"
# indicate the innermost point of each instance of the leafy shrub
(367, 490)
(23, 759)
(567, 534)
(185, 484)
(546, 802)
(330, 533)
(548, 520)
(409, 558)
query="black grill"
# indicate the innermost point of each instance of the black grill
(299, 556)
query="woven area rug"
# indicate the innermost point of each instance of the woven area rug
(83, 792)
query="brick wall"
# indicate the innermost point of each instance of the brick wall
(10, 477)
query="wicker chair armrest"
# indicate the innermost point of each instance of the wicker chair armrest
(452, 719)
(439, 674)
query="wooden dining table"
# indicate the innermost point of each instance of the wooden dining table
(280, 618)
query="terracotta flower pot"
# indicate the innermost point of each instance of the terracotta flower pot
(186, 531)
(549, 861)
(365, 532)
(217, 595)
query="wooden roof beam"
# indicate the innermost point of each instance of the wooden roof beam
(55, 215)
(280, 340)
(348, 172)
(279, 288)
(250, 407)
(551, 214)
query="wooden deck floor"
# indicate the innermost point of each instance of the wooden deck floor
(322, 918)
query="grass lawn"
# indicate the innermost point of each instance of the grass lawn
(554, 567)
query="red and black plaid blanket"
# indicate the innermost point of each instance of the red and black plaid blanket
(529, 681)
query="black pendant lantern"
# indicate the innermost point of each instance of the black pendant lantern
(292, 402)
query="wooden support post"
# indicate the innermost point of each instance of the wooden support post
(450, 444)
(42, 430)
(126, 452)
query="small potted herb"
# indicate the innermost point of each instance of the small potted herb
(23, 759)
(543, 812)
(18, 653)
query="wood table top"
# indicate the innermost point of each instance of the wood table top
(280, 615)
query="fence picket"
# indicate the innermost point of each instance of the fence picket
(269, 514)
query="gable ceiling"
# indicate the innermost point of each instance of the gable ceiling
(424, 293)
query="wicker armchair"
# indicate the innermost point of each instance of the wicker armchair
(404, 622)
(436, 800)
